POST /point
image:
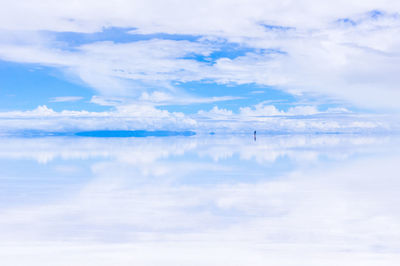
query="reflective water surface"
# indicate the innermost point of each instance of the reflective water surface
(200, 200)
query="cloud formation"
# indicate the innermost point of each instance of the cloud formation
(344, 51)
(264, 118)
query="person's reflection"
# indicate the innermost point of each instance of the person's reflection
(255, 135)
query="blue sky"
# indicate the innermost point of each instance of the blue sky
(26, 86)
(277, 59)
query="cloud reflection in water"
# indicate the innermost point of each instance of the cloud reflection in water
(203, 200)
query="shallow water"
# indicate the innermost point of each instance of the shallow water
(200, 200)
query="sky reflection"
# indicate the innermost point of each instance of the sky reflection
(200, 200)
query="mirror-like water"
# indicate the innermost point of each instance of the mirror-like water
(200, 200)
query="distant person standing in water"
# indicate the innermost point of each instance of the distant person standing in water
(255, 135)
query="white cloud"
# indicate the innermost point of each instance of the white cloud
(162, 98)
(123, 117)
(267, 118)
(205, 18)
(320, 54)
(263, 109)
(260, 110)
(264, 117)
(216, 112)
(65, 99)
(119, 69)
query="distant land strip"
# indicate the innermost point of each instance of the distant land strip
(132, 133)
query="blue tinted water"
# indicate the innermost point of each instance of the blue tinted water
(199, 200)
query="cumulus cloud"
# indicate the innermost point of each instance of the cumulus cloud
(216, 112)
(265, 109)
(264, 118)
(267, 119)
(123, 117)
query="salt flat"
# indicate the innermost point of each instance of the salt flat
(314, 199)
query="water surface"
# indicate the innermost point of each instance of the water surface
(200, 200)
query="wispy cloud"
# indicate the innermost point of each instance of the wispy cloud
(66, 99)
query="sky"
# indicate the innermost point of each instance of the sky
(183, 62)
